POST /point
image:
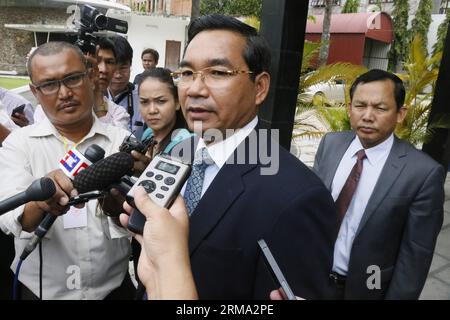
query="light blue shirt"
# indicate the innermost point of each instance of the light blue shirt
(372, 165)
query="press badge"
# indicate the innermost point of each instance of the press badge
(75, 218)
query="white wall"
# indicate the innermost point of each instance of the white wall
(436, 20)
(148, 31)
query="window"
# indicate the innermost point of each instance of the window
(321, 3)
(445, 4)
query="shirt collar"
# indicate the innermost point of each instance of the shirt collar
(373, 154)
(46, 128)
(222, 150)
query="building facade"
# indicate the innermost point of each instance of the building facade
(317, 6)
(160, 7)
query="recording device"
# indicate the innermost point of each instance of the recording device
(91, 20)
(162, 180)
(40, 190)
(275, 271)
(18, 109)
(131, 143)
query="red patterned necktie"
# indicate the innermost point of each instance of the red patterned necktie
(346, 195)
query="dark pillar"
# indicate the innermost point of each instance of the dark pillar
(283, 24)
(439, 146)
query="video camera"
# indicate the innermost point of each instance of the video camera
(91, 20)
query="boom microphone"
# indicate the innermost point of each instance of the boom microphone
(40, 190)
(104, 173)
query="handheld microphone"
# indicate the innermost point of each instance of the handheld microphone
(72, 164)
(40, 190)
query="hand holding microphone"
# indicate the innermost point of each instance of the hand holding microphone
(72, 163)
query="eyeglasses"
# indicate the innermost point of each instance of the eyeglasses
(214, 77)
(51, 87)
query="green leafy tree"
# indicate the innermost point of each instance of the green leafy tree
(441, 34)
(421, 22)
(350, 6)
(316, 115)
(421, 72)
(232, 7)
(399, 47)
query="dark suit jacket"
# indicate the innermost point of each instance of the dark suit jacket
(401, 222)
(292, 210)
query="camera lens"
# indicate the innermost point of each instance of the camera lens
(101, 21)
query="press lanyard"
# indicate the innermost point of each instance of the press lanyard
(66, 143)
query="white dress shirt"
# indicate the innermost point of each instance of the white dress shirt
(372, 166)
(221, 151)
(78, 263)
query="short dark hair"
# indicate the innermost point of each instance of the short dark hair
(380, 75)
(124, 51)
(256, 53)
(51, 48)
(162, 74)
(153, 52)
(106, 44)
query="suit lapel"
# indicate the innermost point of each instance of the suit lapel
(226, 187)
(391, 170)
(337, 152)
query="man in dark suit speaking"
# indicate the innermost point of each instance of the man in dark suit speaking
(232, 200)
(389, 197)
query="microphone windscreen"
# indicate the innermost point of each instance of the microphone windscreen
(104, 173)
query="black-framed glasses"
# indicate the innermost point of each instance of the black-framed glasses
(214, 77)
(51, 87)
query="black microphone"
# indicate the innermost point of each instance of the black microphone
(40, 190)
(104, 173)
(94, 153)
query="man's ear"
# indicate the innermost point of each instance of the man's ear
(262, 85)
(348, 108)
(401, 114)
(91, 75)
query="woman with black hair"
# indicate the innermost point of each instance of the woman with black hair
(160, 109)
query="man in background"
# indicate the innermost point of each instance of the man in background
(150, 59)
(121, 90)
(389, 196)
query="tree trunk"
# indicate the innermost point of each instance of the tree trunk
(325, 40)
(195, 10)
